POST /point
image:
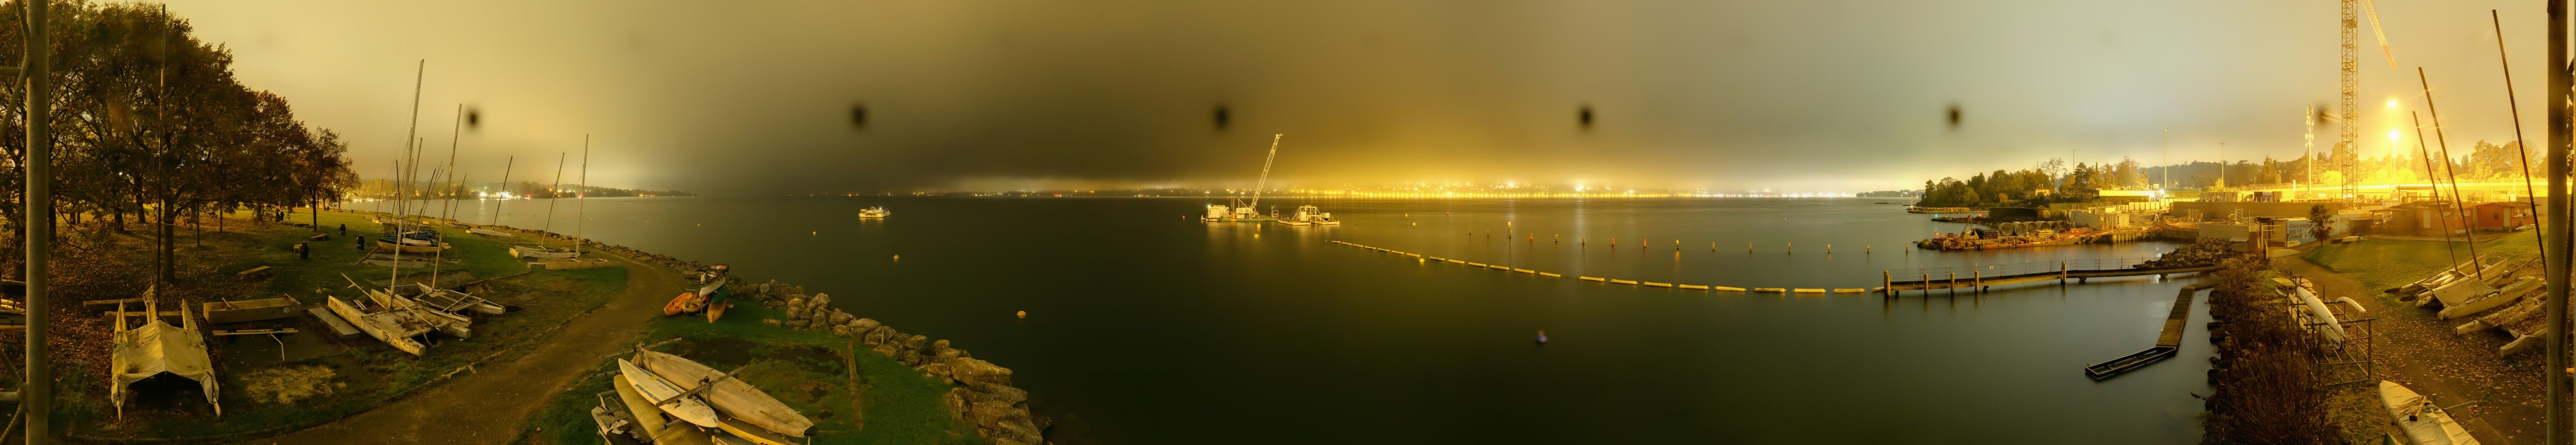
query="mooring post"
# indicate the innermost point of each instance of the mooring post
(1927, 285)
(1954, 284)
(1978, 279)
(1887, 283)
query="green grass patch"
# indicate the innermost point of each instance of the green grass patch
(364, 372)
(807, 370)
(2382, 264)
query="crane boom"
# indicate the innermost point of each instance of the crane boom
(1265, 171)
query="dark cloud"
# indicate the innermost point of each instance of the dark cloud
(765, 97)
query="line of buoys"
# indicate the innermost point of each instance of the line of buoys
(1425, 259)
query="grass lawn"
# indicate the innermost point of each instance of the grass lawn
(330, 376)
(807, 370)
(2382, 264)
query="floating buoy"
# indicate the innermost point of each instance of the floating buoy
(1542, 336)
(898, 257)
(817, 233)
(1024, 314)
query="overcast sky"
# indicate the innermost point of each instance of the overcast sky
(749, 98)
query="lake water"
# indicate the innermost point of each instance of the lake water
(1146, 326)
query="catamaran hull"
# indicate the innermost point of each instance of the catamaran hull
(518, 252)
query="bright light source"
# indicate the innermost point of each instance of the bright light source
(2392, 135)
(2392, 104)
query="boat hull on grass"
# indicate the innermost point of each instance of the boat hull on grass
(2425, 424)
(656, 390)
(737, 399)
(490, 233)
(541, 252)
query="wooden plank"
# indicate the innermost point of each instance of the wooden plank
(2178, 319)
(338, 326)
(256, 332)
(115, 301)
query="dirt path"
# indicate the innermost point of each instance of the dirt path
(490, 405)
(2424, 354)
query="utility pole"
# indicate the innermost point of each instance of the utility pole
(2558, 227)
(36, 398)
(2166, 145)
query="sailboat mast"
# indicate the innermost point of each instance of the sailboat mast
(449, 213)
(409, 137)
(505, 186)
(553, 192)
(578, 209)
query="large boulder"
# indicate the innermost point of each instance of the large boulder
(839, 317)
(878, 336)
(915, 342)
(866, 324)
(978, 371)
(1004, 423)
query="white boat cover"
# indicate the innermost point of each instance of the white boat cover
(657, 390)
(157, 347)
(735, 398)
(2424, 423)
(2327, 325)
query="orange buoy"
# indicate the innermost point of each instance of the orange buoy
(1024, 314)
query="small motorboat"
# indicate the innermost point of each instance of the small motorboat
(874, 212)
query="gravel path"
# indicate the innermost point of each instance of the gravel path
(491, 405)
(2418, 350)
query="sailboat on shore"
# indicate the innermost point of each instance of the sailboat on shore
(540, 251)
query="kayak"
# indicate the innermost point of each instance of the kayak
(716, 311)
(685, 303)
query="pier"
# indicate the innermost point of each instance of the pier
(1982, 276)
(2167, 342)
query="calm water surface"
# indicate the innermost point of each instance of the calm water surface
(1147, 326)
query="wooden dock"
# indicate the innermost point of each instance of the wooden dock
(2168, 342)
(1981, 277)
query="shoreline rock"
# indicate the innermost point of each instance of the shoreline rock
(980, 392)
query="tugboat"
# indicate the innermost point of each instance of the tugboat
(1309, 216)
(874, 212)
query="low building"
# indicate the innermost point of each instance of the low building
(2425, 218)
(2505, 215)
